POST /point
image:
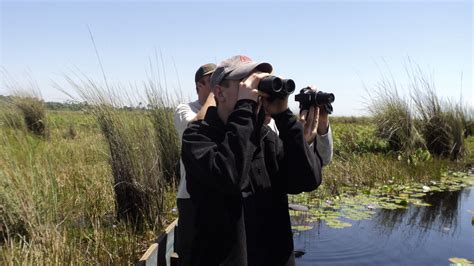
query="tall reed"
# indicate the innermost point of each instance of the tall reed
(27, 99)
(161, 110)
(135, 157)
(421, 121)
(441, 122)
(394, 118)
(34, 114)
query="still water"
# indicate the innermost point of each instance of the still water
(427, 235)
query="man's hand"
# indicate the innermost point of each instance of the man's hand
(248, 88)
(315, 121)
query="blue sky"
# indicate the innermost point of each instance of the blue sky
(341, 47)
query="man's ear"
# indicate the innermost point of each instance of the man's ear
(219, 93)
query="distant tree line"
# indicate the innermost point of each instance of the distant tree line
(73, 105)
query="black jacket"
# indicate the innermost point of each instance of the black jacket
(238, 175)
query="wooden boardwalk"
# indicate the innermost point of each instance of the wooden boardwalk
(162, 252)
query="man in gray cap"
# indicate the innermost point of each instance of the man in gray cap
(184, 114)
(239, 172)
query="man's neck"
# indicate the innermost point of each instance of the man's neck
(223, 114)
(201, 102)
(202, 99)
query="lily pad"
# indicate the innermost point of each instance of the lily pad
(417, 195)
(357, 214)
(401, 202)
(301, 227)
(333, 223)
(390, 206)
(403, 196)
(460, 260)
(420, 203)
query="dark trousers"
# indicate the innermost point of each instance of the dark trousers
(186, 231)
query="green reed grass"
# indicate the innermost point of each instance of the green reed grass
(161, 114)
(422, 121)
(10, 116)
(34, 114)
(442, 123)
(394, 118)
(136, 158)
(28, 101)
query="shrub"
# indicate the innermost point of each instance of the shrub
(34, 114)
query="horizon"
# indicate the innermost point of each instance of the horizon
(343, 47)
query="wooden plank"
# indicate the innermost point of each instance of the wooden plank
(170, 241)
(160, 253)
(171, 226)
(150, 257)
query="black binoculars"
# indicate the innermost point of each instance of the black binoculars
(276, 87)
(308, 98)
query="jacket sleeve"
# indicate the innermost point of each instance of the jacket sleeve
(324, 147)
(299, 166)
(222, 165)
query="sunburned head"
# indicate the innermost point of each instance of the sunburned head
(226, 79)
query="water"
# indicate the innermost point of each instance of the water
(413, 236)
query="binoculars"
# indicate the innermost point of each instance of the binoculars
(281, 88)
(308, 98)
(276, 87)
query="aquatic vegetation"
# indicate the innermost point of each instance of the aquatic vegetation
(301, 228)
(460, 261)
(334, 223)
(359, 206)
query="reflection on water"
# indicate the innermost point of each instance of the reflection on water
(417, 235)
(441, 215)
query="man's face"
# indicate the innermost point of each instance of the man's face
(229, 95)
(204, 87)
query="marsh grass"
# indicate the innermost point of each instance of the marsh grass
(34, 114)
(394, 118)
(422, 121)
(442, 123)
(161, 109)
(27, 99)
(10, 116)
(135, 154)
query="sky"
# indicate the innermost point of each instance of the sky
(341, 47)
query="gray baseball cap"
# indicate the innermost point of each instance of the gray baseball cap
(236, 68)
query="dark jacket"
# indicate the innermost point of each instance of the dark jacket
(238, 175)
